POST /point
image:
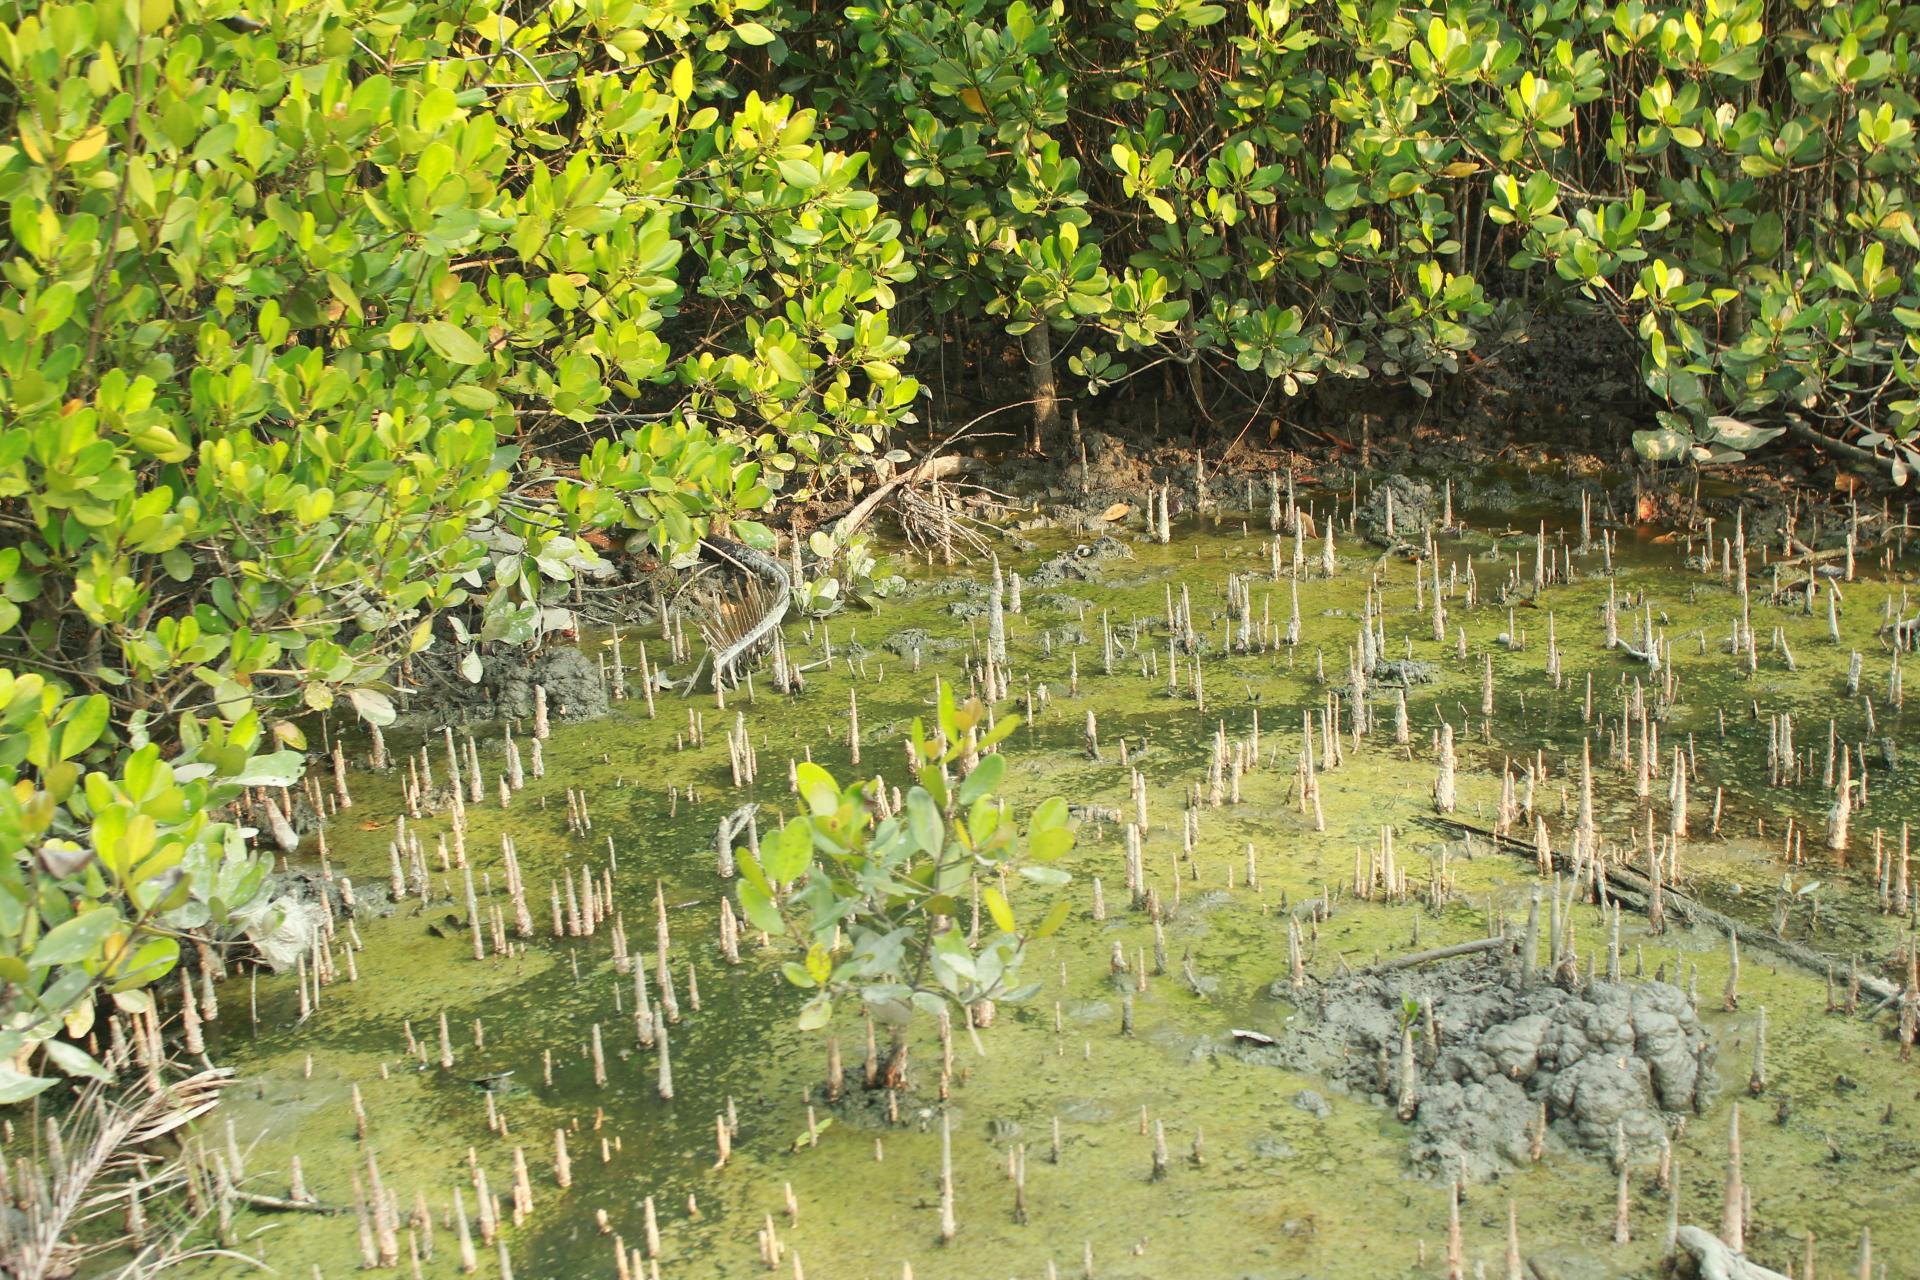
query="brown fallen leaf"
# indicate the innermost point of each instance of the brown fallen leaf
(1118, 511)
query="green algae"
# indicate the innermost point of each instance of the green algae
(1280, 1192)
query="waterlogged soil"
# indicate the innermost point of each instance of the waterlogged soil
(1273, 1173)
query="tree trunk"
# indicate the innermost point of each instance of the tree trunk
(1037, 345)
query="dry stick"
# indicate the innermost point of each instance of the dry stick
(1440, 953)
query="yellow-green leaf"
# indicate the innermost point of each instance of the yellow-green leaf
(997, 907)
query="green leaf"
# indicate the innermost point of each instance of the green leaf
(818, 789)
(785, 857)
(1661, 445)
(759, 909)
(816, 1013)
(819, 962)
(925, 822)
(1744, 436)
(984, 780)
(477, 398)
(1003, 727)
(151, 960)
(76, 940)
(1055, 917)
(1047, 844)
(83, 728)
(280, 769)
(752, 33)
(372, 706)
(1051, 812)
(452, 342)
(16, 1086)
(75, 1061)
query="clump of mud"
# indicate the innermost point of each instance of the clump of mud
(1416, 509)
(1402, 671)
(902, 641)
(1112, 471)
(1082, 564)
(1607, 1058)
(575, 691)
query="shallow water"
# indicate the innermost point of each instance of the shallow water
(1280, 1192)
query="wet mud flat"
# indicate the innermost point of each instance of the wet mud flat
(1564, 1093)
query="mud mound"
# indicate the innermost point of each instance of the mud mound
(1082, 564)
(904, 640)
(1403, 671)
(575, 691)
(1416, 508)
(1610, 1057)
(1112, 470)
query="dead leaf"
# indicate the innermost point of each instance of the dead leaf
(1118, 511)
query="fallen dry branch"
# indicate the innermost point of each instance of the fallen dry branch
(1635, 889)
(1439, 953)
(931, 471)
(282, 1204)
(1711, 1259)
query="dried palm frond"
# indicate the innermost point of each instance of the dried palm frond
(727, 613)
(742, 614)
(96, 1163)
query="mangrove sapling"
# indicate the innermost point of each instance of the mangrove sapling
(893, 886)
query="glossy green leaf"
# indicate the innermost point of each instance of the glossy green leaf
(452, 342)
(78, 939)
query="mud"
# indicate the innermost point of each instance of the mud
(575, 690)
(293, 915)
(1306, 1172)
(1607, 1059)
(1085, 562)
(1416, 508)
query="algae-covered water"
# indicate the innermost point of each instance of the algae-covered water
(1831, 1146)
